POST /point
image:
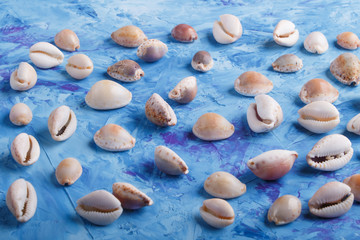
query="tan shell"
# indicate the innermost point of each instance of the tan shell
(224, 185)
(202, 61)
(62, 123)
(284, 210)
(185, 91)
(354, 125)
(67, 40)
(45, 55)
(228, 29)
(348, 40)
(316, 42)
(285, 33)
(112, 137)
(287, 63)
(331, 200)
(318, 89)
(20, 114)
(252, 83)
(130, 197)
(79, 66)
(152, 50)
(354, 183)
(169, 162)
(346, 69)
(25, 149)
(129, 36)
(23, 78)
(212, 127)
(159, 112)
(126, 71)
(218, 213)
(68, 171)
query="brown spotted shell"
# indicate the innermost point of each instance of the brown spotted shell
(346, 69)
(126, 71)
(129, 36)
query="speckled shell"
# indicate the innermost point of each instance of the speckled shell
(287, 63)
(23, 78)
(346, 69)
(184, 33)
(62, 123)
(330, 153)
(316, 42)
(329, 202)
(129, 36)
(152, 50)
(284, 210)
(318, 89)
(20, 114)
(354, 183)
(169, 162)
(319, 117)
(285, 33)
(112, 137)
(45, 55)
(25, 149)
(212, 127)
(227, 30)
(224, 185)
(348, 40)
(130, 197)
(218, 213)
(79, 66)
(272, 165)
(67, 40)
(185, 91)
(159, 112)
(354, 125)
(202, 61)
(126, 71)
(252, 83)
(68, 171)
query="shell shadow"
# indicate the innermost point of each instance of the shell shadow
(6, 220)
(272, 45)
(308, 171)
(341, 48)
(211, 39)
(233, 92)
(305, 52)
(201, 192)
(298, 102)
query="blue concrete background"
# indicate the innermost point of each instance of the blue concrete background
(175, 213)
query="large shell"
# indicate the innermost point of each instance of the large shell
(99, 207)
(287, 63)
(272, 165)
(184, 33)
(284, 210)
(346, 69)
(45, 55)
(224, 185)
(218, 213)
(130, 197)
(285, 33)
(25, 149)
(185, 91)
(348, 40)
(106, 94)
(330, 153)
(152, 50)
(23, 78)
(228, 29)
(354, 125)
(20, 114)
(112, 137)
(212, 127)
(252, 83)
(169, 162)
(316, 42)
(331, 200)
(354, 183)
(129, 36)
(126, 71)
(67, 40)
(318, 89)
(319, 117)
(159, 112)
(68, 171)
(62, 123)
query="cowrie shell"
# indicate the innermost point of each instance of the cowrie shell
(169, 162)
(354, 183)
(68, 171)
(152, 50)
(354, 125)
(348, 40)
(45, 55)
(159, 112)
(23, 78)
(287, 63)
(62, 123)
(67, 40)
(252, 83)
(79, 66)
(285, 33)
(318, 89)
(227, 30)
(224, 185)
(346, 69)
(25, 149)
(20, 114)
(129, 36)
(112, 137)
(130, 197)
(284, 210)
(316, 42)
(126, 71)
(217, 212)
(185, 91)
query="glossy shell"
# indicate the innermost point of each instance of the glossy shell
(354, 183)
(68, 171)
(79, 66)
(25, 149)
(285, 33)
(284, 210)
(354, 125)
(185, 91)
(252, 83)
(62, 123)
(130, 197)
(318, 89)
(151, 50)
(287, 63)
(23, 78)
(159, 112)
(126, 71)
(224, 185)
(20, 114)
(112, 137)
(202, 61)
(45, 55)
(348, 40)
(316, 42)
(169, 162)
(129, 36)
(216, 212)
(67, 40)
(228, 29)
(184, 33)
(346, 69)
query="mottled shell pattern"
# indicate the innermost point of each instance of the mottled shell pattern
(129, 36)
(20, 114)
(227, 30)
(316, 42)
(130, 197)
(217, 212)
(346, 69)
(284, 210)
(169, 162)
(185, 91)
(159, 112)
(152, 50)
(318, 89)
(112, 137)
(62, 123)
(68, 171)
(354, 125)
(287, 63)
(67, 40)
(348, 40)
(25, 149)
(354, 183)
(285, 33)
(126, 71)
(224, 185)
(23, 78)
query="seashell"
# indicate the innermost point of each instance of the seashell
(20, 114)
(129, 36)
(354, 183)
(45, 55)
(318, 89)
(169, 162)
(252, 83)
(23, 78)
(79, 66)
(346, 69)
(184, 33)
(99, 207)
(112, 137)
(264, 115)
(217, 212)
(224, 185)
(202, 61)
(348, 40)
(284, 210)
(159, 112)
(185, 91)
(126, 71)
(106, 94)
(21, 200)
(130, 197)
(67, 40)
(25, 149)
(228, 29)
(331, 200)
(285, 33)
(68, 171)
(319, 117)
(152, 50)
(62, 123)
(287, 63)
(212, 127)
(330, 153)
(354, 125)
(316, 42)
(272, 165)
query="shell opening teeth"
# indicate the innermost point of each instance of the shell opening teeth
(95, 209)
(62, 130)
(286, 34)
(329, 204)
(23, 210)
(321, 159)
(28, 154)
(319, 119)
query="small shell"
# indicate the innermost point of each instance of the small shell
(354, 183)
(62, 123)
(152, 50)
(68, 171)
(45, 55)
(284, 210)
(318, 89)
(346, 69)
(185, 91)
(184, 33)
(99, 207)
(228, 29)
(348, 40)
(169, 162)
(23, 78)
(224, 185)
(21, 200)
(130, 197)
(354, 125)
(319, 117)
(212, 127)
(112, 137)
(202, 61)
(331, 200)
(218, 213)
(252, 83)
(330, 153)
(126, 71)
(264, 115)
(25, 149)
(316, 42)
(20, 114)
(285, 33)
(67, 40)
(129, 36)
(79, 66)
(272, 165)
(159, 112)
(287, 63)
(106, 94)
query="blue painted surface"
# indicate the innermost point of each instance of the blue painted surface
(174, 214)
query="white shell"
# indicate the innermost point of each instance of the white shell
(68, 171)
(354, 183)
(284, 210)
(20, 114)
(228, 29)
(79, 66)
(185, 91)
(354, 125)
(218, 213)
(169, 162)
(316, 42)
(318, 89)
(23, 78)
(330, 153)
(252, 83)
(287, 63)
(159, 112)
(112, 137)
(285, 33)
(224, 185)
(130, 197)
(62, 123)
(45, 55)
(25, 149)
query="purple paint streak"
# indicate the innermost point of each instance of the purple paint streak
(271, 189)
(70, 87)
(6, 30)
(171, 138)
